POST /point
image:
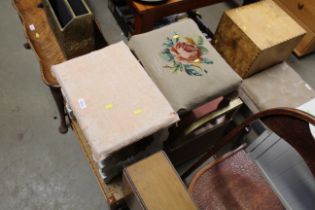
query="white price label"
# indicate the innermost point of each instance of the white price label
(82, 103)
(32, 27)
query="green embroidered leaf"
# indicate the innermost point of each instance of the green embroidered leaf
(166, 55)
(168, 42)
(191, 71)
(166, 50)
(203, 50)
(206, 61)
(181, 67)
(200, 40)
(176, 68)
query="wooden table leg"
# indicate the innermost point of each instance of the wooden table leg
(56, 92)
(144, 23)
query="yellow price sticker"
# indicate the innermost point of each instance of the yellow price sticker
(137, 111)
(109, 106)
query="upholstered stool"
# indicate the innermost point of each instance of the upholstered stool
(278, 86)
(190, 73)
(183, 64)
(113, 99)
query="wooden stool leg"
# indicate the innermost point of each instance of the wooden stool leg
(27, 46)
(56, 92)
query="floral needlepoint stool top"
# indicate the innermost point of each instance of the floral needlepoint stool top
(184, 65)
(185, 54)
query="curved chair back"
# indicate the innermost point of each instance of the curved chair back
(290, 124)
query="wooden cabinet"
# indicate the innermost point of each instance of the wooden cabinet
(303, 11)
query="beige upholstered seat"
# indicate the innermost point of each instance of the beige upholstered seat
(278, 86)
(113, 99)
(182, 63)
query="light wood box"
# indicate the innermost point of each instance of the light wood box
(153, 184)
(254, 37)
(303, 11)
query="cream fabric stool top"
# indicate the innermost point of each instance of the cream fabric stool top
(278, 86)
(183, 64)
(113, 99)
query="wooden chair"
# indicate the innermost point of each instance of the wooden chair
(233, 181)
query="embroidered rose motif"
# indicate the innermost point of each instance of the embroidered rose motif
(185, 54)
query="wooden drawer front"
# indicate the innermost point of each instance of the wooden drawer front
(303, 9)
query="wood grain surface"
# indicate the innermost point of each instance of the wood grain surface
(257, 36)
(302, 12)
(146, 15)
(42, 38)
(157, 185)
(144, 7)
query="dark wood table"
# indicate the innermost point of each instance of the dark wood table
(146, 15)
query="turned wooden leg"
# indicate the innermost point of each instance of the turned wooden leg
(27, 46)
(56, 92)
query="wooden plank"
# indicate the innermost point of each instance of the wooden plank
(155, 185)
(113, 191)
